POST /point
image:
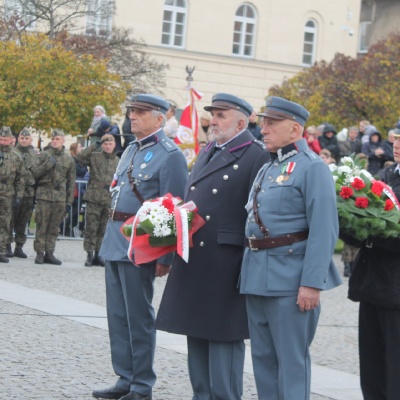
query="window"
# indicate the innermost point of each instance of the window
(24, 12)
(310, 40)
(99, 17)
(364, 36)
(174, 23)
(244, 30)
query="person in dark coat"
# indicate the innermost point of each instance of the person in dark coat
(375, 283)
(253, 126)
(329, 141)
(388, 146)
(375, 152)
(107, 127)
(201, 299)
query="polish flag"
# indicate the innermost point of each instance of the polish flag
(186, 137)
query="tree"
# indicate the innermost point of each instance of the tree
(44, 86)
(85, 27)
(347, 90)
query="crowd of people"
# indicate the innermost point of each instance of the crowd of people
(256, 268)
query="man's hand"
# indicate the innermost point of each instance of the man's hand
(52, 160)
(308, 298)
(162, 270)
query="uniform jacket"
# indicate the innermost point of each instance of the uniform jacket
(102, 167)
(12, 173)
(306, 200)
(201, 298)
(55, 182)
(376, 275)
(159, 167)
(31, 161)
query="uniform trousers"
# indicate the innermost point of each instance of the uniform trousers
(5, 220)
(131, 316)
(22, 215)
(48, 216)
(96, 221)
(216, 369)
(281, 336)
(379, 346)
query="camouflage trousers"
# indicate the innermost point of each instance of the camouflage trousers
(5, 220)
(96, 221)
(21, 216)
(349, 253)
(48, 216)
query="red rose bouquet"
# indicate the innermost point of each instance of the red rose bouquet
(366, 207)
(161, 226)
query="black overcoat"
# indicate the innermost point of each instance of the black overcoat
(201, 298)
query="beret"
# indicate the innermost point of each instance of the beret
(225, 101)
(148, 102)
(57, 132)
(104, 124)
(25, 132)
(279, 108)
(6, 132)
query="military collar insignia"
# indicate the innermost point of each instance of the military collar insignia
(147, 141)
(286, 152)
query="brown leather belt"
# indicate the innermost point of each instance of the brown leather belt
(271, 242)
(119, 216)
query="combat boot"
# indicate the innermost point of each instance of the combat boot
(3, 259)
(9, 252)
(50, 259)
(347, 270)
(89, 259)
(18, 252)
(39, 258)
(97, 260)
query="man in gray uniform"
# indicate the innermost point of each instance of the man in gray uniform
(201, 299)
(55, 178)
(11, 186)
(23, 212)
(291, 231)
(150, 167)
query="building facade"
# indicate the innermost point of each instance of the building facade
(240, 47)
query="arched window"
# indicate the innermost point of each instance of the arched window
(174, 23)
(310, 41)
(244, 28)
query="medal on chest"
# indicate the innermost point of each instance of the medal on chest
(286, 170)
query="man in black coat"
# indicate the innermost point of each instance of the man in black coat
(375, 283)
(201, 299)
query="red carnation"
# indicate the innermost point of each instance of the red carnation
(346, 192)
(362, 202)
(377, 188)
(389, 205)
(168, 204)
(358, 184)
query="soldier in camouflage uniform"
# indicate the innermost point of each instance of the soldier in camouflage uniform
(102, 167)
(11, 186)
(55, 177)
(23, 212)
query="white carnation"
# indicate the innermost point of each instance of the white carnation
(344, 169)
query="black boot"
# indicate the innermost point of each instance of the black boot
(39, 258)
(9, 252)
(347, 270)
(97, 260)
(50, 259)
(3, 259)
(89, 259)
(18, 252)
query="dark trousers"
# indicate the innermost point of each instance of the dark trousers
(379, 346)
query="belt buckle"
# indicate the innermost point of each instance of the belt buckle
(251, 245)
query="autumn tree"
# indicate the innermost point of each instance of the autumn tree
(44, 86)
(85, 27)
(347, 90)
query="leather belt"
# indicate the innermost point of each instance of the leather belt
(119, 216)
(271, 242)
